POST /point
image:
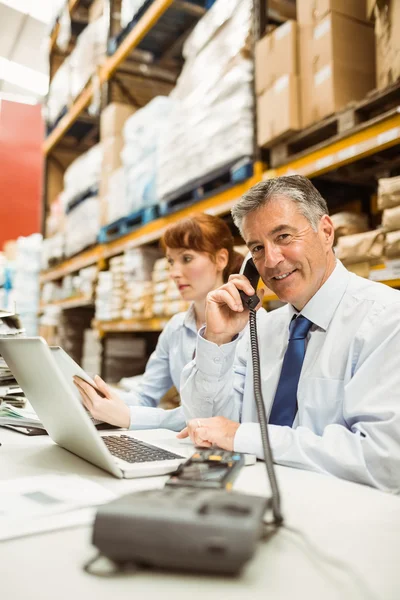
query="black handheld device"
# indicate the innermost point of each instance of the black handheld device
(215, 469)
(249, 270)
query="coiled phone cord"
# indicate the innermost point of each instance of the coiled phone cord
(262, 417)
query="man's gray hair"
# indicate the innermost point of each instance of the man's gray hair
(296, 187)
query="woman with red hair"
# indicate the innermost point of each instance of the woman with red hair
(201, 257)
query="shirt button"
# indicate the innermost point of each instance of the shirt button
(217, 359)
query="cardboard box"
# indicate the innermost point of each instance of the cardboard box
(337, 65)
(278, 111)
(310, 12)
(95, 10)
(283, 8)
(113, 117)
(387, 36)
(112, 148)
(276, 55)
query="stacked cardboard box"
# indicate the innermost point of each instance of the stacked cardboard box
(277, 84)
(389, 202)
(113, 196)
(337, 60)
(386, 14)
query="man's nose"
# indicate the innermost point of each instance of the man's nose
(273, 256)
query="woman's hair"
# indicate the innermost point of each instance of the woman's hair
(204, 233)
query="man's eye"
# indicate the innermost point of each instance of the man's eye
(256, 249)
(283, 237)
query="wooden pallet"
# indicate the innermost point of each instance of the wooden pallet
(213, 183)
(376, 106)
(125, 225)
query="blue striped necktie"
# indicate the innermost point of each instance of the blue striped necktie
(284, 407)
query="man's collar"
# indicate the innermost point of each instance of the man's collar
(322, 306)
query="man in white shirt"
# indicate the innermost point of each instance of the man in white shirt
(331, 387)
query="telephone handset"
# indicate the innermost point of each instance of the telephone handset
(249, 270)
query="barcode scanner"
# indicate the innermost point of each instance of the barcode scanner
(249, 270)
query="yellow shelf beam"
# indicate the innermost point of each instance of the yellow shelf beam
(355, 146)
(85, 259)
(73, 302)
(107, 69)
(129, 325)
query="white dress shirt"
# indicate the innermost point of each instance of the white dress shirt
(348, 420)
(175, 348)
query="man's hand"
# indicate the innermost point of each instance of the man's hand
(215, 431)
(225, 314)
(110, 409)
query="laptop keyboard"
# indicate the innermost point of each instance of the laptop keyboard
(133, 451)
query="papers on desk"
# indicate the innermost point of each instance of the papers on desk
(25, 417)
(46, 503)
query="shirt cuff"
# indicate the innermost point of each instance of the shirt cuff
(248, 439)
(148, 417)
(214, 361)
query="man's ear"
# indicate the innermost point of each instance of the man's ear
(327, 230)
(221, 259)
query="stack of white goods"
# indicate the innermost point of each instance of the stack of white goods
(26, 281)
(104, 291)
(129, 9)
(84, 283)
(167, 300)
(110, 292)
(51, 292)
(91, 352)
(82, 225)
(89, 52)
(52, 250)
(160, 277)
(138, 300)
(116, 203)
(59, 95)
(138, 266)
(82, 174)
(212, 120)
(142, 132)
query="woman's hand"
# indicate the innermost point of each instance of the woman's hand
(110, 408)
(225, 314)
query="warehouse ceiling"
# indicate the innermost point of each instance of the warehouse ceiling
(24, 29)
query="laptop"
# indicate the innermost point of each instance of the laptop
(35, 368)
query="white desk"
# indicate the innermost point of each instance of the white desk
(357, 525)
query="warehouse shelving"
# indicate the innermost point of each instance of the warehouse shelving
(367, 140)
(73, 302)
(131, 325)
(72, 5)
(107, 69)
(374, 138)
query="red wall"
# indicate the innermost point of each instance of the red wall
(21, 169)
